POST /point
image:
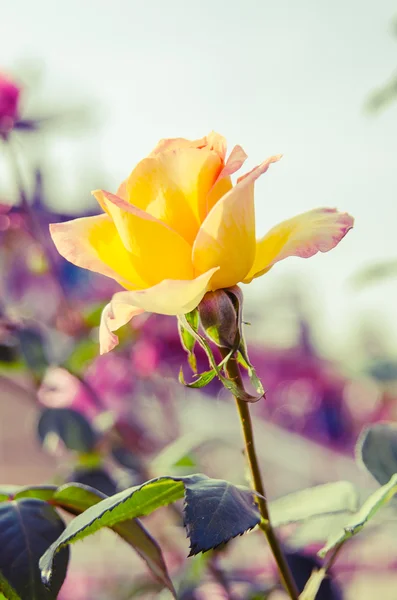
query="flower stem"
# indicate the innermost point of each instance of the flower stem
(233, 372)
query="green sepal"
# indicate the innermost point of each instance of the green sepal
(188, 341)
(227, 383)
(202, 380)
(236, 297)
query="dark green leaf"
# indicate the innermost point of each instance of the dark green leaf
(370, 507)
(377, 448)
(217, 511)
(310, 578)
(127, 459)
(68, 425)
(27, 528)
(32, 348)
(96, 478)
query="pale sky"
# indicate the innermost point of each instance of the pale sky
(276, 77)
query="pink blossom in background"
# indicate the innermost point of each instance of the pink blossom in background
(9, 103)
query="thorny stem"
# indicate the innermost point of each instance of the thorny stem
(233, 372)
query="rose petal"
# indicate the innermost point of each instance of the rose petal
(170, 297)
(94, 244)
(227, 236)
(317, 230)
(158, 251)
(217, 142)
(223, 184)
(113, 317)
(177, 144)
(173, 186)
(213, 141)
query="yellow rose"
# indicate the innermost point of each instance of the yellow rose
(178, 228)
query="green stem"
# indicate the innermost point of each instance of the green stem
(233, 372)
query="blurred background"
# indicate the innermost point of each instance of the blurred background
(88, 89)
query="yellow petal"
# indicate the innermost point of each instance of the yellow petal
(112, 318)
(223, 184)
(317, 230)
(158, 251)
(173, 186)
(170, 297)
(94, 244)
(227, 236)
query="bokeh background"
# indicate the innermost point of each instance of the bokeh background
(100, 83)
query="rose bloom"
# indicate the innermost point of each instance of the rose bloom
(178, 228)
(9, 103)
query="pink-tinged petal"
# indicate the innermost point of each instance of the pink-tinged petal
(223, 184)
(235, 161)
(177, 144)
(93, 243)
(317, 230)
(263, 166)
(115, 314)
(212, 141)
(158, 251)
(217, 142)
(227, 236)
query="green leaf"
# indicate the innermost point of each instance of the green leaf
(68, 425)
(177, 451)
(340, 496)
(15, 492)
(370, 507)
(76, 498)
(41, 492)
(377, 449)
(83, 354)
(7, 592)
(215, 511)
